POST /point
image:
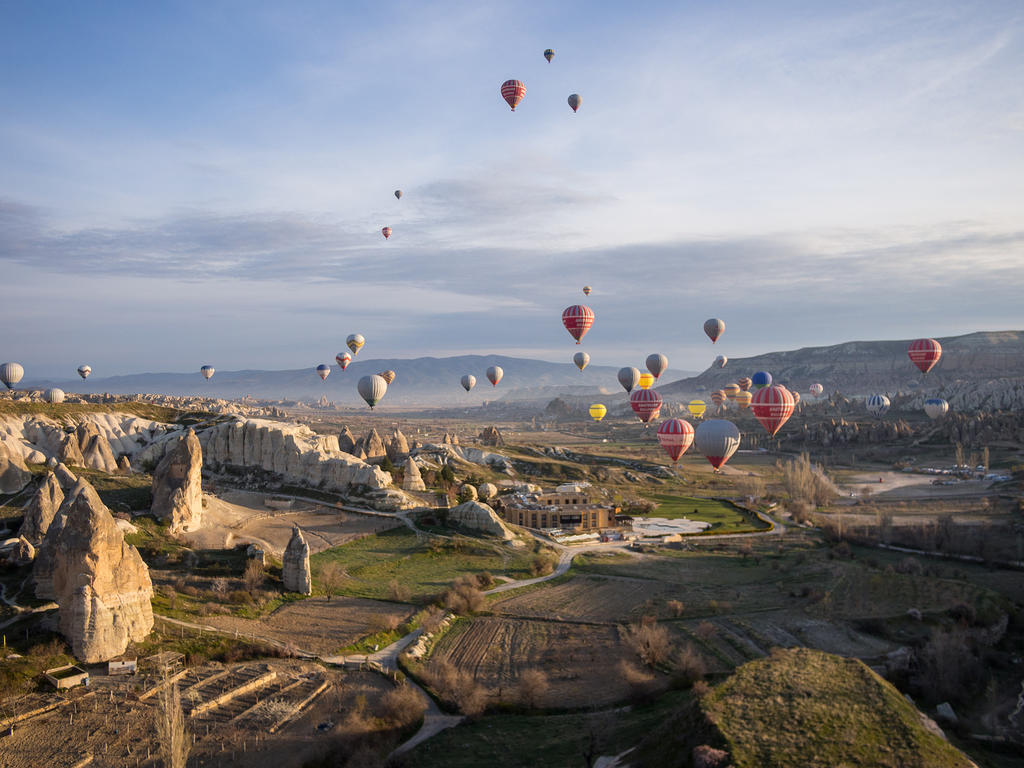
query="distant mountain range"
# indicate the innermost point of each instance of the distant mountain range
(423, 380)
(865, 367)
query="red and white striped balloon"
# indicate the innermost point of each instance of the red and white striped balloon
(675, 436)
(772, 406)
(646, 403)
(512, 91)
(577, 320)
(925, 354)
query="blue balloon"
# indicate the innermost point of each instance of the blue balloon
(761, 379)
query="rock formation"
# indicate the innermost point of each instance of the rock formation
(398, 446)
(491, 436)
(479, 517)
(68, 451)
(467, 492)
(14, 475)
(346, 440)
(99, 581)
(124, 465)
(41, 510)
(487, 491)
(24, 553)
(412, 479)
(95, 448)
(65, 477)
(178, 485)
(295, 565)
(373, 446)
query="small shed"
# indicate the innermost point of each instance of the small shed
(165, 661)
(67, 676)
(123, 666)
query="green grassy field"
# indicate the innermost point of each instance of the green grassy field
(723, 516)
(423, 567)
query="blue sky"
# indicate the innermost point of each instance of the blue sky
(186, 183)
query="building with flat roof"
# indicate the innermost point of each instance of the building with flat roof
(572, 507)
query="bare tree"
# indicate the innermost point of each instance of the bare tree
(332, 576)
(254, 575)
(533, 685)
(649, 640)
(397, 591)
(677, 607)
(170, 724)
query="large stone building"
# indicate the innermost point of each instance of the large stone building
(572, 507)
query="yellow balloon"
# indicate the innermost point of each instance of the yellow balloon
(743, 399)
(697, 407)
(597, 411)
(646, 380)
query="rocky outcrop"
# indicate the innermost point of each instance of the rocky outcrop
(65, 477)
(99, 581)
(491, 436)
(398, 446)
(487, 491)
(68, 451)
(475, 516)
(178, 485)
(23, 553)
(295, 565)
(346, 440)
(373, 446)
(412, 480)
(14, 475)
(41, 510)
(467, 492)
(124, 465)
(96, 451)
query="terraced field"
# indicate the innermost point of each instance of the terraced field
(587, 598)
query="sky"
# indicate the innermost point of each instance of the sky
(186, 183)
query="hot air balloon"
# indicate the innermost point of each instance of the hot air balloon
(646, 403)
(581, 360)
(207, 371)
(549, 54)
(675, 436)
(398, 194)
(713, 328)
(629, 377)
(646, 380)
(744, 383)
(935, 407)
(512, 91)
(324, 371)
(878, 405)
(657, 364)
(772, 406)
(577, 320)
(468, 381)
(720, 361)
(816, 389)
(388, 376)
(372, 389)
(743, 398)
(761, 379)
(597, 411)
(494, 374)
(796, 396)
(10, 374)
(343, 359)
(925, 353)
(718, 440)
(386, 231)
(731, 390)
(355, 342)
(575, 101)
(718, 398)
(587, 290)
(84, 371)
(696, 407)
(54, 395)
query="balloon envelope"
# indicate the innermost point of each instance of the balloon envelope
(575, 101)
(925, 354)
(11, 374)
(512, 91)
(54, 395)
(386, 231)
(675, 436)
(713, 327)
(646, 403)
(581, 360)
(772, 406)
(731, 390)
(718, 440)
(878, 405)
(935, 407)
(355, 342)
(646, 380)
(388, 376)
(84, 371)
(720, 361)
(468, 381)
(495, 374)
(816, 389)
(744, 383)
(549, 54)
(398, 194)
(207, 371)
(696, 407)
(657, 364)
(343, 359)
(761, 379)
(743, 398)
(372, 389)
(577, 320)
(587, 290)
(324, 371)
(628, 377)
(597, 411)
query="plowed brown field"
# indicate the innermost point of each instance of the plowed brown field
(584, 598)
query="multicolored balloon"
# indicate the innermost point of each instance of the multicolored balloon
(587, 290)
(696, 407)
(372, 389)
(718, 440)
(731, 390)
(656, 364)
(549, 54)
(936, 407)
(581, 360)
(743, 399)
(772, 406)
(577, 320)
(468, 381)
(646, 380)
(84, 371)
(714, 327)
(343, 359)
(207, 371)
(878, 405)
(744, 383)
(646, 404)
(324, 371)
(597, 411)
(675, 436)
(816, 389)
(388, 376)
(512, 91)
(718, 398)
(720, 361)
(355, 342)
(495, 374)
(575, 101)
(796, 396)
(925, 354)
(628, 377)
(386, 231)
(761, 379)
